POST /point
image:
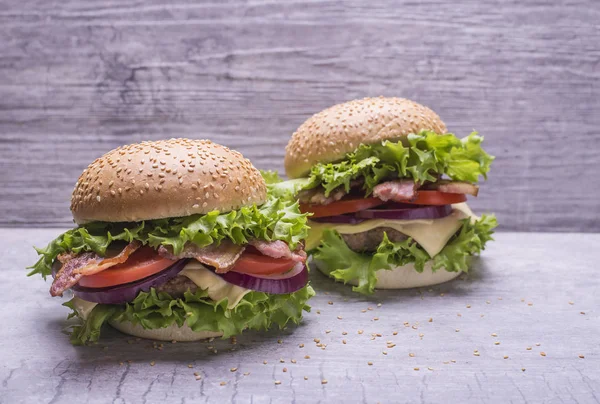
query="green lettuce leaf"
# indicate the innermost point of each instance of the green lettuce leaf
(422, 157)
(152, 310)
(276, 219)
(270, 176)
(343, 264)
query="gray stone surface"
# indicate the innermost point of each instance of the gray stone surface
(78, 78)
(529, 289)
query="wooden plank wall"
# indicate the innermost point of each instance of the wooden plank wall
(79, 77)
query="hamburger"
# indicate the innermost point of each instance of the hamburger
(178, 240)
(385, 185)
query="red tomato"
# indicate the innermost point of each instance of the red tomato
(141, 264)
(436, 198)
(258, 264)
(340, 207)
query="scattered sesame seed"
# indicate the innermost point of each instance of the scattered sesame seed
(537, 344)
(370, 363)
(281, 360)
(523, 369)
(417, 369)
(152, 363)
(301, 346)
(497, 343)
(543, 353)
(327, 331)
(375, 318)
(529, 304)
(395, 333)
(293, 360)
(246, 373)
(494, 334)
(529, 348)
(233, 369)
(306, 356)
(324, 381)
(430, 368)
(280, 341)
(277, 382)
(305, 377)
(344, 333)
(264, 362)
(378, 304)
(190, 365)
(468, 306)
(412, 355)
(505, 356)
(384, 352)
(571, 303)
(330, 302)
(457, 330)
(430, 320)
(360, 331)
(581, 356)
(339, 317)
(284, 370)
(344, 341)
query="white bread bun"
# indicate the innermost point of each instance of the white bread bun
(163, 179)
(330, 134)
(171, 333)
(406, 277)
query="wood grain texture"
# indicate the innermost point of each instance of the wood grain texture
(541, 303)
(78, 78)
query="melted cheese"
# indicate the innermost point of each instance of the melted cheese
(83, 307)
(432, 234)
(214, 285)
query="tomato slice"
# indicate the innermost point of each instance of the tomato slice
(341, 207)
(258, 264)
(141, 264)
(436, 198)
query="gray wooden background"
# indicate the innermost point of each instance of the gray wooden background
(79, 77)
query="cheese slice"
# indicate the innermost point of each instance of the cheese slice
(215, 286)
(83, 307)
(431, 234)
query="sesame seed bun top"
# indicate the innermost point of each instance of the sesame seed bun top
(330, 134)
(165, 178)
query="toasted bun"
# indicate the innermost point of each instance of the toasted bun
(329, 135)
(165, 178)
(171, 333)
(406, 277)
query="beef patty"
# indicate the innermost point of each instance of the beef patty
(369, 240)
(177, 286)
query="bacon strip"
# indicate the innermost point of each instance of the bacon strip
(74, 267)
(222, 257)
(397, 190)
(454, 187)
(279, 249)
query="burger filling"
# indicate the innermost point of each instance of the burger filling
(395, 203)
(222, 272)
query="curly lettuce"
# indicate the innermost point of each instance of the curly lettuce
(338, 261)
(153, 310)
(423, 157)
(276, 219)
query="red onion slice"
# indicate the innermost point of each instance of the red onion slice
(121, 294)
(423, 212)
(272, 286)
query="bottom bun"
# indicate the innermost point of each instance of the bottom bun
(406, 277)
(171, 333)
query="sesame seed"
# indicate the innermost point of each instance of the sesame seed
(301, 345)
(277, 382)
(543, 353)
(416, 369)
(505, 356)
(233, 369)
(324, 381)
(581, 356)
(370, 363)
(306, 356)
